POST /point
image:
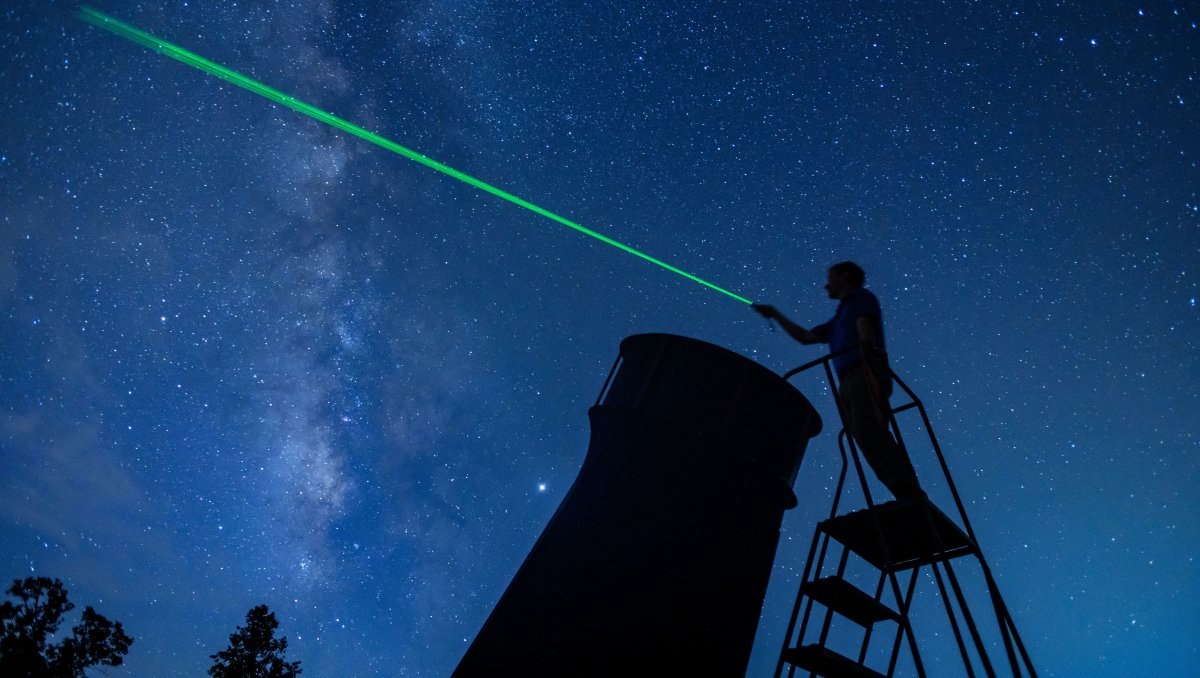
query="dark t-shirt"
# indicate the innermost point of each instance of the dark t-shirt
(842, 329)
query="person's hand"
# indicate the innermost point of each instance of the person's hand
(765, 310)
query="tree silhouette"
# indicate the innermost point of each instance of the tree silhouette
(253, 651)
(28, 625)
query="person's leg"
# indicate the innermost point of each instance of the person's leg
(889, 461)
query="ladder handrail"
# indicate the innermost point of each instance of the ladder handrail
(914, 401)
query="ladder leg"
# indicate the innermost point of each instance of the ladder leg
(862, 653)
(1000, 620)
(841, 571)
(1020, 644)
(962, 648)
(787, 639)
(905, 624)
(899, 629)
(808, 606)
(970, 620)
(1007, 626)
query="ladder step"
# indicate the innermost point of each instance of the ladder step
(825, 662)
(847, 600)
(905, 524)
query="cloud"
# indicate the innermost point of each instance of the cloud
(65, 484)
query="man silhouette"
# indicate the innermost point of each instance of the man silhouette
(866, 381)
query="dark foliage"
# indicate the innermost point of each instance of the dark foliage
(30, 623)
(253, 650)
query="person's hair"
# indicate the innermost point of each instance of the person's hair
(851, 271)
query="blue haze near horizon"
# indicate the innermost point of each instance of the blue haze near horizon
(246, 358)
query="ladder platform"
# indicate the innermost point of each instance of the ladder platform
(849, 601)
(905, 525)
(825, 662)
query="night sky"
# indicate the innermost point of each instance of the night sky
(246, 358)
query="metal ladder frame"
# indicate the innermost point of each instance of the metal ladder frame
(1011, 638)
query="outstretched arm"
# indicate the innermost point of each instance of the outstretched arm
(795, 331)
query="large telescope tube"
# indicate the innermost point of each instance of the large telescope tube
(657, 560)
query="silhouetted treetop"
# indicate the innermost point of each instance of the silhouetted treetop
(28, 625)
(253, 650)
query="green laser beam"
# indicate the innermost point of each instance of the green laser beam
(143, 38)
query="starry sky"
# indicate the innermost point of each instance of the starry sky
(246, 358)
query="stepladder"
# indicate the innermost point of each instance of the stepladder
(870, 568)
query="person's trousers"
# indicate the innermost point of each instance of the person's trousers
(867, 417)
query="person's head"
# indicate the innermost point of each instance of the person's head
(844, 278)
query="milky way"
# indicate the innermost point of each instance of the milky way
(247, 358)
